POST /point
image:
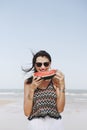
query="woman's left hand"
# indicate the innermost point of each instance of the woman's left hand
(58, 80)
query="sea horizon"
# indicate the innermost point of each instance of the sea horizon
(80, 94)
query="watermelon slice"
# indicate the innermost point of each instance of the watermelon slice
(46, 74)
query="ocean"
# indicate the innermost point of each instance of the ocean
(77, 94)
(11, 92)
(74, 94)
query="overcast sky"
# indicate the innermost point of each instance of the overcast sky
(57, 26)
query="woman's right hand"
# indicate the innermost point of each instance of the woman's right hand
(35, 82)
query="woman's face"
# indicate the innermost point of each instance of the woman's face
(42, 63)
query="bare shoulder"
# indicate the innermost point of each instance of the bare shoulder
(26, 85)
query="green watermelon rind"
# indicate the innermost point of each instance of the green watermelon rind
(48, 77)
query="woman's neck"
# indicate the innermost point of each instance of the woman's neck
(44, 84)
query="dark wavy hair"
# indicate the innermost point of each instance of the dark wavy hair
(39, 53)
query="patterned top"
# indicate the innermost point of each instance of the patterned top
(45, 103)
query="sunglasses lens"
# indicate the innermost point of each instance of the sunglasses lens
(39, 64)
(46, 64)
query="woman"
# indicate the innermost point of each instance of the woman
(44, 100)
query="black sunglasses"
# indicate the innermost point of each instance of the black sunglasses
(39, 64)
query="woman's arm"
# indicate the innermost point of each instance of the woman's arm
(59, 85)
(28, 98)
(60, 99)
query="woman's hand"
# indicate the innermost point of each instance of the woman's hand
(59, 81)
(35, 82)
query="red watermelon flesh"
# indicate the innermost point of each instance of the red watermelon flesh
(46, 74)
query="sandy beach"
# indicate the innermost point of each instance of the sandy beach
(12, 115)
